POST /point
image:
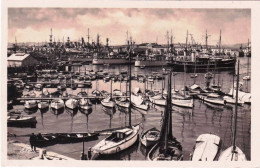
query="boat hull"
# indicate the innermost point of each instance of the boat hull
(160, 102)
(180, 66)
(119, 146)
(150, 63)
(183, 103)
(206, 148)
(109, 104)
(226, 155)
(112, 61)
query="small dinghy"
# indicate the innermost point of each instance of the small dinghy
(21, 121)
(119, 140)
(57, 104)
(206, 148)
(108, 102)
(72, 103)
(30, 104)
(150, 137)
(43, 105)
(85, 104)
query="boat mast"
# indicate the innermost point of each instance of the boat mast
(206, 40)
(235, 130)
(170, 136)
(130, 74)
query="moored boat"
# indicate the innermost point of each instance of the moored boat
(119, 140)
(206, 148)
(57, 104)
(108, 102)
(183, 102)
(150, 137)
(234, 153)
(72, 103)
(85, 104)
(43, 105)
(30, 104)
(21, 121)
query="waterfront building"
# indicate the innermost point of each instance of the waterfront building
(21, 60)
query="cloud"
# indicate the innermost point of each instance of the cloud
(144, 24)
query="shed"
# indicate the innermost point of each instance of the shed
(20, 60)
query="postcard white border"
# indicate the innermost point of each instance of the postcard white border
(255, 108)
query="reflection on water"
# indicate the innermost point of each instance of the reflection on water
(188, 124)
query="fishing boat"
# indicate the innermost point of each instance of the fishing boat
(183, 102)
(108, 102)
(30, 104)
(43, 105)
(232, 100)
(158, 100)
(138, 102)
(234, 153)
(57, 104)
(122, 102)
(72, 103)
(213, 100)
(85, 104)
(150, 137)
(206, 148)
(21, 121)
(167, 147)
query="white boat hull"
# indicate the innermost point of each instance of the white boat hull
(110, 104)
(183, 102)
(72, 103)
(43, 105)
(30, 104)
(226, 155)
(206, 148)
(105, 147)
(213, 100)
(57, 105)
(161, 102)
(124, 104)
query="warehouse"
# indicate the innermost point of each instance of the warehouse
(21, 60)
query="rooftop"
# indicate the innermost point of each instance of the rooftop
(18, 57)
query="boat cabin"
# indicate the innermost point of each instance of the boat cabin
(119, 135)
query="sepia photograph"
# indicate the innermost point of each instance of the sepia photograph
(138, 84)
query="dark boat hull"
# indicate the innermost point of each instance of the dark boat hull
(181, 66)
(63, 138)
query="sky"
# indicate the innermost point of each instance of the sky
(143, 24)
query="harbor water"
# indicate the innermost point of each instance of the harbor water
(187, 125)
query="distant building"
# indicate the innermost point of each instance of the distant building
(20, 60)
